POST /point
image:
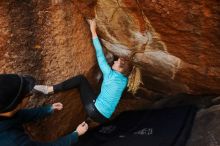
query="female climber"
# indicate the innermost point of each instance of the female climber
(115, 79)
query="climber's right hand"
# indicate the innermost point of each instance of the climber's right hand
(92, 24)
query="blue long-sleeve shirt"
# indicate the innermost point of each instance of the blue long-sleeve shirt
(12, 132)
(113, 84)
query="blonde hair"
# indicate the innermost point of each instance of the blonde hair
(134, 80)
(133, 73)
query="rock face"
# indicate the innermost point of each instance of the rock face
(52, 43)
(206, 128)
(175, 43)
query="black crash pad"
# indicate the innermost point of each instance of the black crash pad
(161, 127)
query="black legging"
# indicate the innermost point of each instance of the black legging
(87, 95)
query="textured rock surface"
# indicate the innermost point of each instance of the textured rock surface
(176, 44)
(52, 43)
(206, 128)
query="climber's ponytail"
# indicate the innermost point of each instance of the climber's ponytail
(134, 80)
(133, 73)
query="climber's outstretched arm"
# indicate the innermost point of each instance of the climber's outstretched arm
(103, 64)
